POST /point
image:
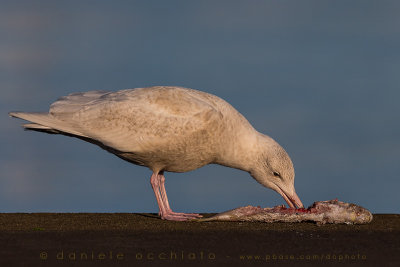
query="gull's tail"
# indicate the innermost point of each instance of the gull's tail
(45, 122)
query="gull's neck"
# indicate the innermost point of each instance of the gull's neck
(242, 150)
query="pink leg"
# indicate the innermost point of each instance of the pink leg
(158, 184)
(165, 199)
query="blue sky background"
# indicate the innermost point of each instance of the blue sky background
(320, 77)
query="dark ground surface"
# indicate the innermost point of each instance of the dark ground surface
(125, 239)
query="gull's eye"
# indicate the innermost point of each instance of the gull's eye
(277, 174)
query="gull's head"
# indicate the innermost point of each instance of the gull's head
(274, 169)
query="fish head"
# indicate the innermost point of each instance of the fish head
(341, 212)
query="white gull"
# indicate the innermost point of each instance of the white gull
(171, 129)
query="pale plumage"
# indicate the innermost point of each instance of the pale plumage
(169, 129)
